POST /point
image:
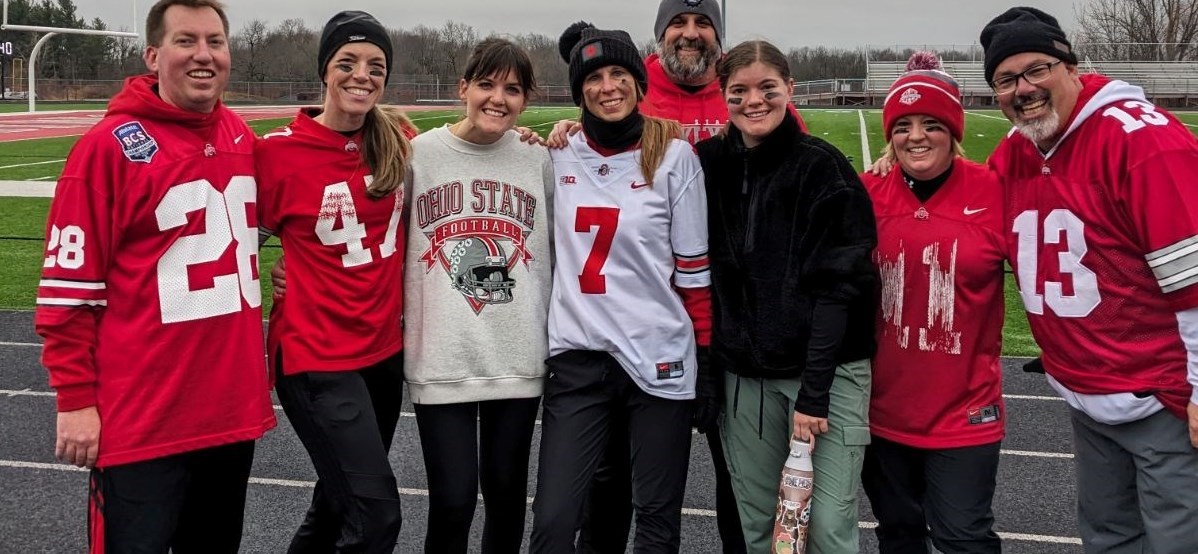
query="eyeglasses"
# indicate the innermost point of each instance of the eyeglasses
(1034, 74)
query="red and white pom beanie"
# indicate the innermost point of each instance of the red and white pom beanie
(925, 89)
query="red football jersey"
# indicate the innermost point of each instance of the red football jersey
(937, 381)
(149, 300)
(1103, 237)
(343, 250)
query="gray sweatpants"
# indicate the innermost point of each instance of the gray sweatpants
(1137, 485)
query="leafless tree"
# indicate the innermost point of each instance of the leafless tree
(1138, 29)
(247, 51)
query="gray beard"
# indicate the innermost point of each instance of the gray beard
(1041, 129)
(682, 71)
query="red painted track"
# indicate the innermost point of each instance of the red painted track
(25, 126)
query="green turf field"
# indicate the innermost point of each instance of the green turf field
(22, 228)
(13, 106)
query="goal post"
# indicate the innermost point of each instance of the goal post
(51, 32)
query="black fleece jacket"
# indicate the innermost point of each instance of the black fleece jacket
(791, 230)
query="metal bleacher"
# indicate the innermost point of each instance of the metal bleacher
(1175, 82)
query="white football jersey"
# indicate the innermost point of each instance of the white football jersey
(621, 247)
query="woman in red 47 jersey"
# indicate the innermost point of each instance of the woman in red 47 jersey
(936, 413)
(331, 187)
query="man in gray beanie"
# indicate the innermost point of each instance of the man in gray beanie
(1103, 241)
(682, 80)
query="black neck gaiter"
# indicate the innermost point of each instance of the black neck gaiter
(618, 135)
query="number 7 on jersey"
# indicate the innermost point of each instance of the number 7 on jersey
(592, 280)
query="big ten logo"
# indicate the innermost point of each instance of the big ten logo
(486, 197)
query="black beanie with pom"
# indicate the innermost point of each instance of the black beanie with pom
(586, 49)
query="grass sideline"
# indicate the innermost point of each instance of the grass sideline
(22, 229)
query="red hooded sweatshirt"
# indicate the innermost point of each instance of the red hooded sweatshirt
(149, 301)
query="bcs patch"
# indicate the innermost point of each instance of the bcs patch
(135, 142)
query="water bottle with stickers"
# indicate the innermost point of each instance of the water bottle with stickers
(793, 516)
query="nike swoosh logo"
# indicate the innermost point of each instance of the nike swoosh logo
(971, 212)
(238, 139)
(639, 186)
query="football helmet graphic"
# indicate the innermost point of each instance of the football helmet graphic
(478, 268)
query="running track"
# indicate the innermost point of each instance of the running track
(40, 125)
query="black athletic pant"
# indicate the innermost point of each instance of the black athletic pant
(471, 444)
(346, 420)
(950, 490)
(586, 395)
(608, 514)
(189, 502)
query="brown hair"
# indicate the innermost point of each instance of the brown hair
(156, 29)
(498, 56)
(386, 149)
(744, 54)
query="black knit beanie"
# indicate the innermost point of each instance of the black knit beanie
(586, 49)
(1021, 30)
(352, 26)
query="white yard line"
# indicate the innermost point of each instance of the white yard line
(866, 160)
(987, 116)
(262, 481)
(31, 163)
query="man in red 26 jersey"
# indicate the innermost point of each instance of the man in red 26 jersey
(149, 301)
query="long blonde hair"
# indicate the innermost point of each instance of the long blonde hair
(655, 140)
(386, 149)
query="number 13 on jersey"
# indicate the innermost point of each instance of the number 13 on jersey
(1058, 225)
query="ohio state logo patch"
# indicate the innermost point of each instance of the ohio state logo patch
(910, 96)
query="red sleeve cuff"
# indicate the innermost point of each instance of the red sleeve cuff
(697, 302)
(76, 397)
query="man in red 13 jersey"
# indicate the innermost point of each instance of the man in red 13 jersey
(1102, 231)
(149, 301)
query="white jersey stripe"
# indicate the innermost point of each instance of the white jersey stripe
(1179, 281)
(82, 285)
(69, 302)
(1172, 252)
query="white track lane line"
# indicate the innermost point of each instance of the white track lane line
(278, 408)
(424, 492)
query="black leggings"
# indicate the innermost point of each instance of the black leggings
(452, 456)
(346, 420)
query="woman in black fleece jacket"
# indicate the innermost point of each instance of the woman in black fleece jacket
(795, 292)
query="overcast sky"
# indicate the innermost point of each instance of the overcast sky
(787, 23)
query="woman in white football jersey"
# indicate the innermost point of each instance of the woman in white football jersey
(629, 317)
